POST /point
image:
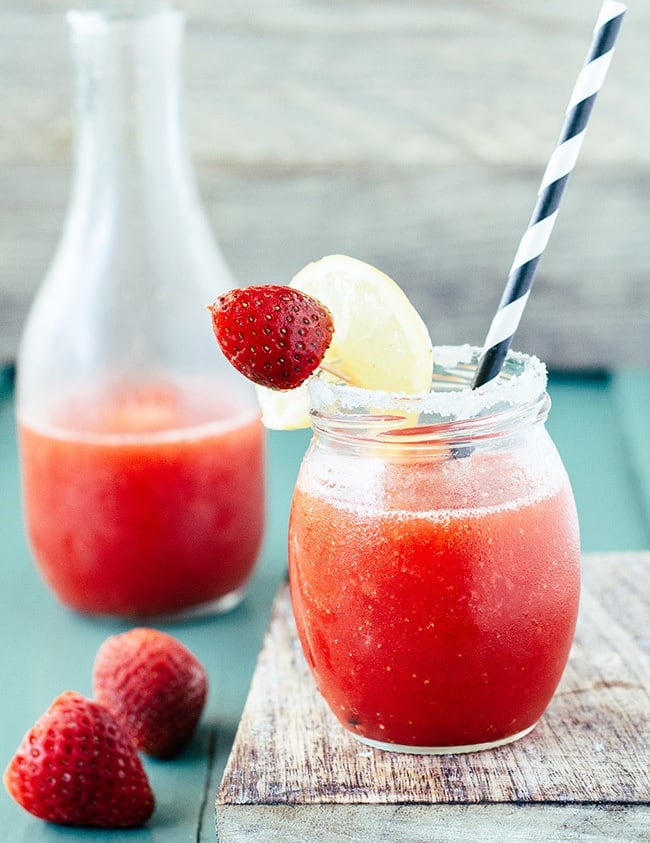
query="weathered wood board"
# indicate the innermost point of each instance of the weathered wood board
(583, 774)
(409, 134)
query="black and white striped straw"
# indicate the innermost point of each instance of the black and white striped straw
(558, 170)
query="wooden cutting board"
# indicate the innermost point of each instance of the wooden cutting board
(582, 774)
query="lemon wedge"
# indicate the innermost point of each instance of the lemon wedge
(380, 341)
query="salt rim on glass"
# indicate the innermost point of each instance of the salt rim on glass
(522, 380)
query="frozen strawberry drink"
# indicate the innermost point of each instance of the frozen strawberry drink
(434, 559)
(146, 500)
(433, 538)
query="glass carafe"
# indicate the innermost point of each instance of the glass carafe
(141, 448)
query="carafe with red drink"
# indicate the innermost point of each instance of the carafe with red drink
(142, 451)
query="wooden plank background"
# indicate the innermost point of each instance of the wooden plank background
(412, 134)
(588, 753)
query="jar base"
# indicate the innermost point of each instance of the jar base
(443, 750)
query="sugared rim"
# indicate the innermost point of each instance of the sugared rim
(522, 380)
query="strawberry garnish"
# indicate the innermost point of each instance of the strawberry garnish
(274, 335)
(75, 766)
(155, 687)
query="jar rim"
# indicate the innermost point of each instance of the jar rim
(522, 381)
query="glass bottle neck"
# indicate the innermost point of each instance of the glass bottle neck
(129, 134)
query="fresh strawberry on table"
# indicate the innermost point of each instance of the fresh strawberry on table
(76, 766)
(155, 687)
(274, 335)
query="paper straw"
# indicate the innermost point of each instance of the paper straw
(558, 170)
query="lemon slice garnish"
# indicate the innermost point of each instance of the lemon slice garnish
(380, 341)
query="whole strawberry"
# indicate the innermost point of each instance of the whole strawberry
(75, 766)
(155, 687)
(274, 335)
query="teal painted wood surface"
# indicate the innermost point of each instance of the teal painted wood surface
(602, 439)
(600, 427)
(631, 398)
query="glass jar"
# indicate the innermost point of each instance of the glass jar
(141, 448)
(434, 558)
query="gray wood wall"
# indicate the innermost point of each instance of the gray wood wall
(409, 133)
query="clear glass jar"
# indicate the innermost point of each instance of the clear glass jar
(141, 448)
(434, 558)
